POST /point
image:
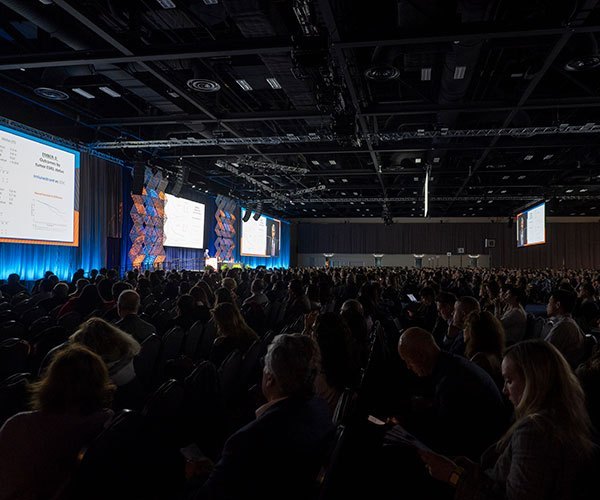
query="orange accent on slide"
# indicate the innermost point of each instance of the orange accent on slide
(75, 242)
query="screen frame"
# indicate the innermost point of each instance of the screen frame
(524, 213)
(76, 188)
(242, 209)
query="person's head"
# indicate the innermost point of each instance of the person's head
(295, 288)
(45, 285)
(427, 295)
(118, 288)
(13, 279)
(106, 340)
(48, 273)
(257, 286)
(273, 230)
(352, 306)
(540, 384)
(230, 322)
(186, 304)
(462, 308)
(418, 350)
(333, 337)
(492, 289)
(128, 303)
(88, 300)
(511, 295)
(230, 284)
(484, 333)
(75, 382)
(93, 273)
(199, 295)
(105, 289)
(80, 284)
(223, 295)
(60, 290)
(291, 365)
(561, 302)
(445, 305)
(587, 291)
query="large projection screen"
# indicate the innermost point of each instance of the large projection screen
(260, 238)
(184, 223)
(39, 189)
(531, 226)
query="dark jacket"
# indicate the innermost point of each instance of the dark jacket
(276, 456)
(136, 327)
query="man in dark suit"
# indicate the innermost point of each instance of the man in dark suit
(467, 413)
(128, 305)
(272, 239)
(279, 454)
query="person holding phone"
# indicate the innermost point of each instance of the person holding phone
(543, 452)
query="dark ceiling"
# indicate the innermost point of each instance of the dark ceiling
(363, 97)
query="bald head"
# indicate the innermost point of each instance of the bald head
(128, 303)
(418, 350)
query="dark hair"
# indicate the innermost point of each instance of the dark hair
(296, 287)
(427, 292)
(446, 298)
(333, 338)
(566, 298)
(185, 304)
(76, 380)
(88, 301)
(223, 295)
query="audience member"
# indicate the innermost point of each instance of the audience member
(564, 333)
(512, 315)
(44, 292)
(258, 296)
(117, 349)
(445, 309)
(233, 332)
(12, 286)
(281, 452)
(467, 413)
(128, 305)
(454, 341)
(38, 449)
(59, 296)
(543, 452)
(484, 343)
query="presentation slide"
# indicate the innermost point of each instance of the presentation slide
(260, 238)
(531, 226)
(184, 223)
(38, 191)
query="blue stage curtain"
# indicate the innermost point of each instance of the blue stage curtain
(283, 260)
(99, 199)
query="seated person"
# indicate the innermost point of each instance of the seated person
(454, 341)
(13, 286)
(38, 449)
(467, 412)
(280, 453)
(232, 333)
(445, 308)
(543, 453)
(564, 333)
(512, 315)
(117, 349)
(59, 296)
(128, 305)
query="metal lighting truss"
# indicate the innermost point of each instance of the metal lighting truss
(432, 198)
(265, 165)
(564, 129)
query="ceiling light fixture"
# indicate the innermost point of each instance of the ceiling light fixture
(528, 157)
(459, 72)
(426, 192)
(166, 4)
(109, 91)
(547, 157)
(274, 83)
(83, 93)
(315, 162)
(425, 74)
(332, 162)
(243, 84)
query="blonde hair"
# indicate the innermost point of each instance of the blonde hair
(231, 323)
(106, 340)
(552, 394)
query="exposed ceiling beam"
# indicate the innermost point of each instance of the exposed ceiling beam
(582, 12)
(85, 57)
(475, 33)
(262, 46)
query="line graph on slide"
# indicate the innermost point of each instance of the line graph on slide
(46, 216)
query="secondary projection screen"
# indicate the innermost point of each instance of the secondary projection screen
(184, 223)
(260, 238)
(39, 188)
(531, 226)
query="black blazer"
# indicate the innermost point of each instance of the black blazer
(276, 456)
(136, 327)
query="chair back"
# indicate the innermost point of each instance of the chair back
(207, 340)
(344, 407)
(70, 321)
(145, 363)
(251, 369)
(31, 315)
(50, 356)
(39, 325)
(14, 356)
(45, 341)
(22, 306)
(165, 402)
(12, 329)
(14, 395)
(192, 339)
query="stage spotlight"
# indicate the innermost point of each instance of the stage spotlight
(246, 216)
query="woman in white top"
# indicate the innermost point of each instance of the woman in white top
(513, 317)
